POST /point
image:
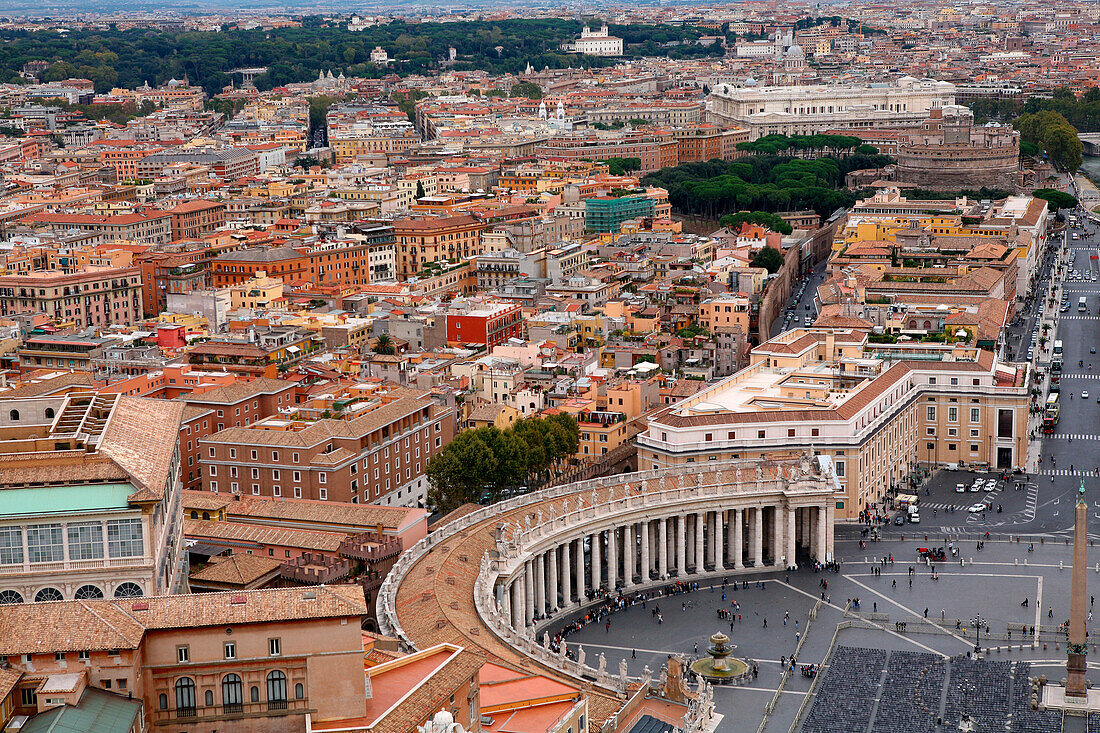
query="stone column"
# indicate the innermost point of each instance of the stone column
(700, 519)
(552, 585)
(506, 603)
(737, 556)
(566, 575)
(792, 543)
(719, 536)
(775, 541)
(517, 604)
(612, 558)
(821, 532)
(630, 556)
(578, 558)
(758, 536)
(681, 546)
(830, 512)
(596, 562)
(643, 540)
(714, 542)
(689, 534)
(529, 593)
(662, 547)
(540, 584)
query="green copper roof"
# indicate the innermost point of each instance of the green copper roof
(60, 499)
(98, 712)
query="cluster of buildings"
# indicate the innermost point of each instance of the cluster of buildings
(229, 347)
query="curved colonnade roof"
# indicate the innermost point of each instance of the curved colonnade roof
(434, 598)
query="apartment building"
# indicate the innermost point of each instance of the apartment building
(150, 226)
(236, 662)
(421, 241)
(879, 411)
(374, 450)
(91, 488)
(487, 324)
(192, 219)
(93, 296)
(239, 404)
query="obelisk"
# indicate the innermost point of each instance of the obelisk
(1078, 608)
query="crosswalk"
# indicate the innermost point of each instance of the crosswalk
(1067, 472)
(1068, 317)
(963, 503)
(1079, 375)
(1071, 436)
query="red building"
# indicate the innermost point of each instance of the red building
(490, 324)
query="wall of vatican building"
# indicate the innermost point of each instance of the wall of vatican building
(535, 559)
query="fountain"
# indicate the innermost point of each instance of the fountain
(719, 667)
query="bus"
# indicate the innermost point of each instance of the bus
(1058, 349)
(1081, 304)
(1050, 413)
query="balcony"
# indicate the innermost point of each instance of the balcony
(37, 568)
(231, 711)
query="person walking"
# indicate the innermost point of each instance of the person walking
(926, 613)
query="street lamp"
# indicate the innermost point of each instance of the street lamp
(978, 622)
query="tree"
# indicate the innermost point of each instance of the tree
(420, 190)
(384, 345)
(527, 89)
(772, 221)
(1054, 134)
(1055, 199)
(480, 465)
(769, 258)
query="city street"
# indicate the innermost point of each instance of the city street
(797, 304)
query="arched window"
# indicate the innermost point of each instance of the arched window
(206, 515)
(48, 594)
(162, 701)
(299, 691)
(232, 697)
(194, 514)
(208, 698)
(128, 590)
(185, 697)
(10, 596)
(276, 690)
(88, 592)
(14, 414)
(254, 694)
(49, 413)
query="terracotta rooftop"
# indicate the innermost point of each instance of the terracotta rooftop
(239, 569)
(37, 628)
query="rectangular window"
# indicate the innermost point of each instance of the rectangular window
(253, 455)
(276, 474)
(183, 654)
(973, 447)
(322, 477)
(274, 456)
(1004, 423)
(931, 412)
(28, 697)
(232, 452)
(230, 650)
(11, 545)
(975, 414)
(952, 414)
(323, 493)
(45, 543)
(85, 541)
(124, 538)
(274, 647)
(297, 475)
(840, 469)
